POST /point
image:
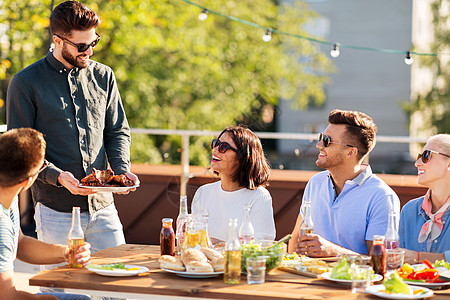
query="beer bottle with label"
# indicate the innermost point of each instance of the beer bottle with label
(76, 238)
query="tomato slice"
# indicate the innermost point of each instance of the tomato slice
(427, 263)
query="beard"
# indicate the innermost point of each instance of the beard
(73, 59)
(330, 161)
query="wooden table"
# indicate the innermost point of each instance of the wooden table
(157, 284)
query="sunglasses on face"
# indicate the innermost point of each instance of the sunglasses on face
(81, 47)
(426, 155)
(327, 140)
(223, 146)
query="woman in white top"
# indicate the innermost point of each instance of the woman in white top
(239, 160)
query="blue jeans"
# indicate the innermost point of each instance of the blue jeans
(102, 229)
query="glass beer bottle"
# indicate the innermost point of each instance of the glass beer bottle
(306, 226)
(378, 255)
(181, 223)
(167, 237)
(246, 231)
(232, 272)
(76, 238)
(391, 237)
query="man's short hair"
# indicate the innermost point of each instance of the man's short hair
(21, 151)
(361, 129)
(72, 15)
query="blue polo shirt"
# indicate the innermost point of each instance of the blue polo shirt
(358, 213)
(412, 219)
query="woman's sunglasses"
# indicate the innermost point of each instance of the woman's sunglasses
(81, 47)
(327, 140)
(223, 146)
(426, 155)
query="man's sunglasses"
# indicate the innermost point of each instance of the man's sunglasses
(426, 155)
(327, 140)
(81, 47)
(223, 146)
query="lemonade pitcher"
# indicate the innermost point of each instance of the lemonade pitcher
(196, 232)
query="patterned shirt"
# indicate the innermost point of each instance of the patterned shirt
(9, 235)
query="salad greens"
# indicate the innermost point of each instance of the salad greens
(273, 254)
(115, 266)
(342, 270)
(441, 263)
(394, 284)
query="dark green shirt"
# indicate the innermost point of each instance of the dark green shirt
(81, 115)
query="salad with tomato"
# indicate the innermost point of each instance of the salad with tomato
(422, 273)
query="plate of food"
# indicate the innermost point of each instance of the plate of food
(426, 274)
(416, 292)
(117, 269)
(194, 263)
(107, 189)
(193, 274)
(303, 265)
(103, 181)
(328, 276)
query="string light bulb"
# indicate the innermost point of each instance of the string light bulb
(203, 15)
(268, 35)
(335, 51)
(408, 59)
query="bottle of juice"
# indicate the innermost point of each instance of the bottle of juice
(76, 237)
(167, 237)
(246, 231)
(378, 255)
(232, 255)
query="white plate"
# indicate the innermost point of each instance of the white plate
(431, 285)
(107, 189)
(120, 272)
(327, 276)
(193, 275)
(379, 290)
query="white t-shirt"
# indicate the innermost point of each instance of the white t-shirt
(223, 205)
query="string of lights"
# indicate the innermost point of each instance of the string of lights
(335, 50)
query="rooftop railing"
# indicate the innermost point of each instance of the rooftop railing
(186, 134)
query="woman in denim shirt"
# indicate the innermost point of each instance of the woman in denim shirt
(425, 221)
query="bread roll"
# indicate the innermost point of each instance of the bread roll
(212, 254)
(171, 262)
(218, 264)
(191, 255)
(199, 267)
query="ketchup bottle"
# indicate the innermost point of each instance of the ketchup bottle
(167, 237)
(378, 255)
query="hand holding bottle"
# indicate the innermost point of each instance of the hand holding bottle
(82, 257)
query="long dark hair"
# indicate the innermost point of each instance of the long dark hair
(253, 168)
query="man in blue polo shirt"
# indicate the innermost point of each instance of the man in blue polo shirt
(349, 204)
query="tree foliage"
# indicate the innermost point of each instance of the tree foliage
(176, 72)
(433, 106)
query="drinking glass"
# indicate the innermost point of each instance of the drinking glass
(361, 278)
(256, 270)
(395, 258)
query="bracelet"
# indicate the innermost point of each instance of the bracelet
(418, 256)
